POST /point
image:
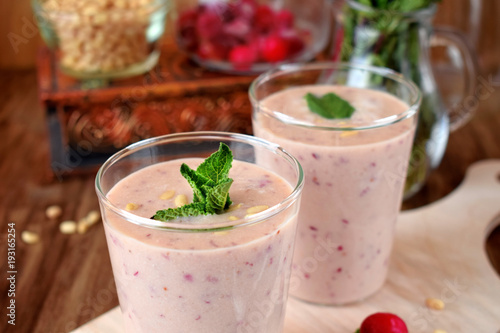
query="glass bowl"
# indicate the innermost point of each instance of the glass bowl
(251, 36)
(102, 38)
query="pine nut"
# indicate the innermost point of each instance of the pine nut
(30, 237)
(233, 218)
(93, 217)
(53, 212)
(82, 226)
(434, 303)
(234, 207)
(67, 227)
(256, 209)
(439, 331)
(348, 133)
(181, 200)
(131, 206)
(167, 195)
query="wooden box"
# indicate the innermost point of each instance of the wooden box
(90, 120)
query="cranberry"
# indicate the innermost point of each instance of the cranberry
(186, 26)
(285, 19)
(274, 48)
(239, 28)
(383, 322)
(242, 32)
(264, 19)
(245, 9)
(187, 19)
(210, 51)
(242, 57)
(295, 43)
(208, 25)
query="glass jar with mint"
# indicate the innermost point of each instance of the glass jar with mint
(399, 35)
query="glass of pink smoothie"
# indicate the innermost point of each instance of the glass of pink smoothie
(355, 170)
(219, 273)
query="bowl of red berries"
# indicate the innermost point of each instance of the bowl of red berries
(251, 36)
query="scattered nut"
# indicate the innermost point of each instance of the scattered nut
(167, 195)
(348, 133)
(82, 226)
(257, 209)
(233, 218)
(439, 331)
(30, 237)
(53, 212)
(434, 303)
(67, 227)
(131, 206)
(93, 217)
(181, 200)
(221, 233)
(234, 207)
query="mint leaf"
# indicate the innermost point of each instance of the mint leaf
(218, 197)
(216, 166)
(196, 181)
(329, 106)
(210, 184)
(192, 209)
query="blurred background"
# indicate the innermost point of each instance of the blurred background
(18, 26)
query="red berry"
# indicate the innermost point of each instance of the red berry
(295, 43)
(208, 25)
(242, 57)
(238, 27)
(264, 19)
(285, 19)
(274, 48)
(210, 51)
(245, 9)
(383, 322)
(187, 18)
(186, 30)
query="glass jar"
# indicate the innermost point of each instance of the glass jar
(250, 36)
(102, 39)
(403, 42)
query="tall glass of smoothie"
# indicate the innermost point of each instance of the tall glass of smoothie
(355, 168)
(226, 272)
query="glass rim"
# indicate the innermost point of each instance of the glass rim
(203, 136)
(416, 94)
(425, 11)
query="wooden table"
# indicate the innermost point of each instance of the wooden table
(66, 280)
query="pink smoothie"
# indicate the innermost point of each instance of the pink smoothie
(185, 282)
(352, 194)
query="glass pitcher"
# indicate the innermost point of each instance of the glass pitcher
(403, 42)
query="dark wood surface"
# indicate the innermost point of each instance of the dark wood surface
(66, 280)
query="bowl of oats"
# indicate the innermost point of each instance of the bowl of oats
(102, 38)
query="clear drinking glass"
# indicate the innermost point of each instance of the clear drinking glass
(355, 170)
(231, 275)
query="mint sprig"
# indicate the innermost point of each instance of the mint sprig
(398, 5)
(329, 106)
(210, 184)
